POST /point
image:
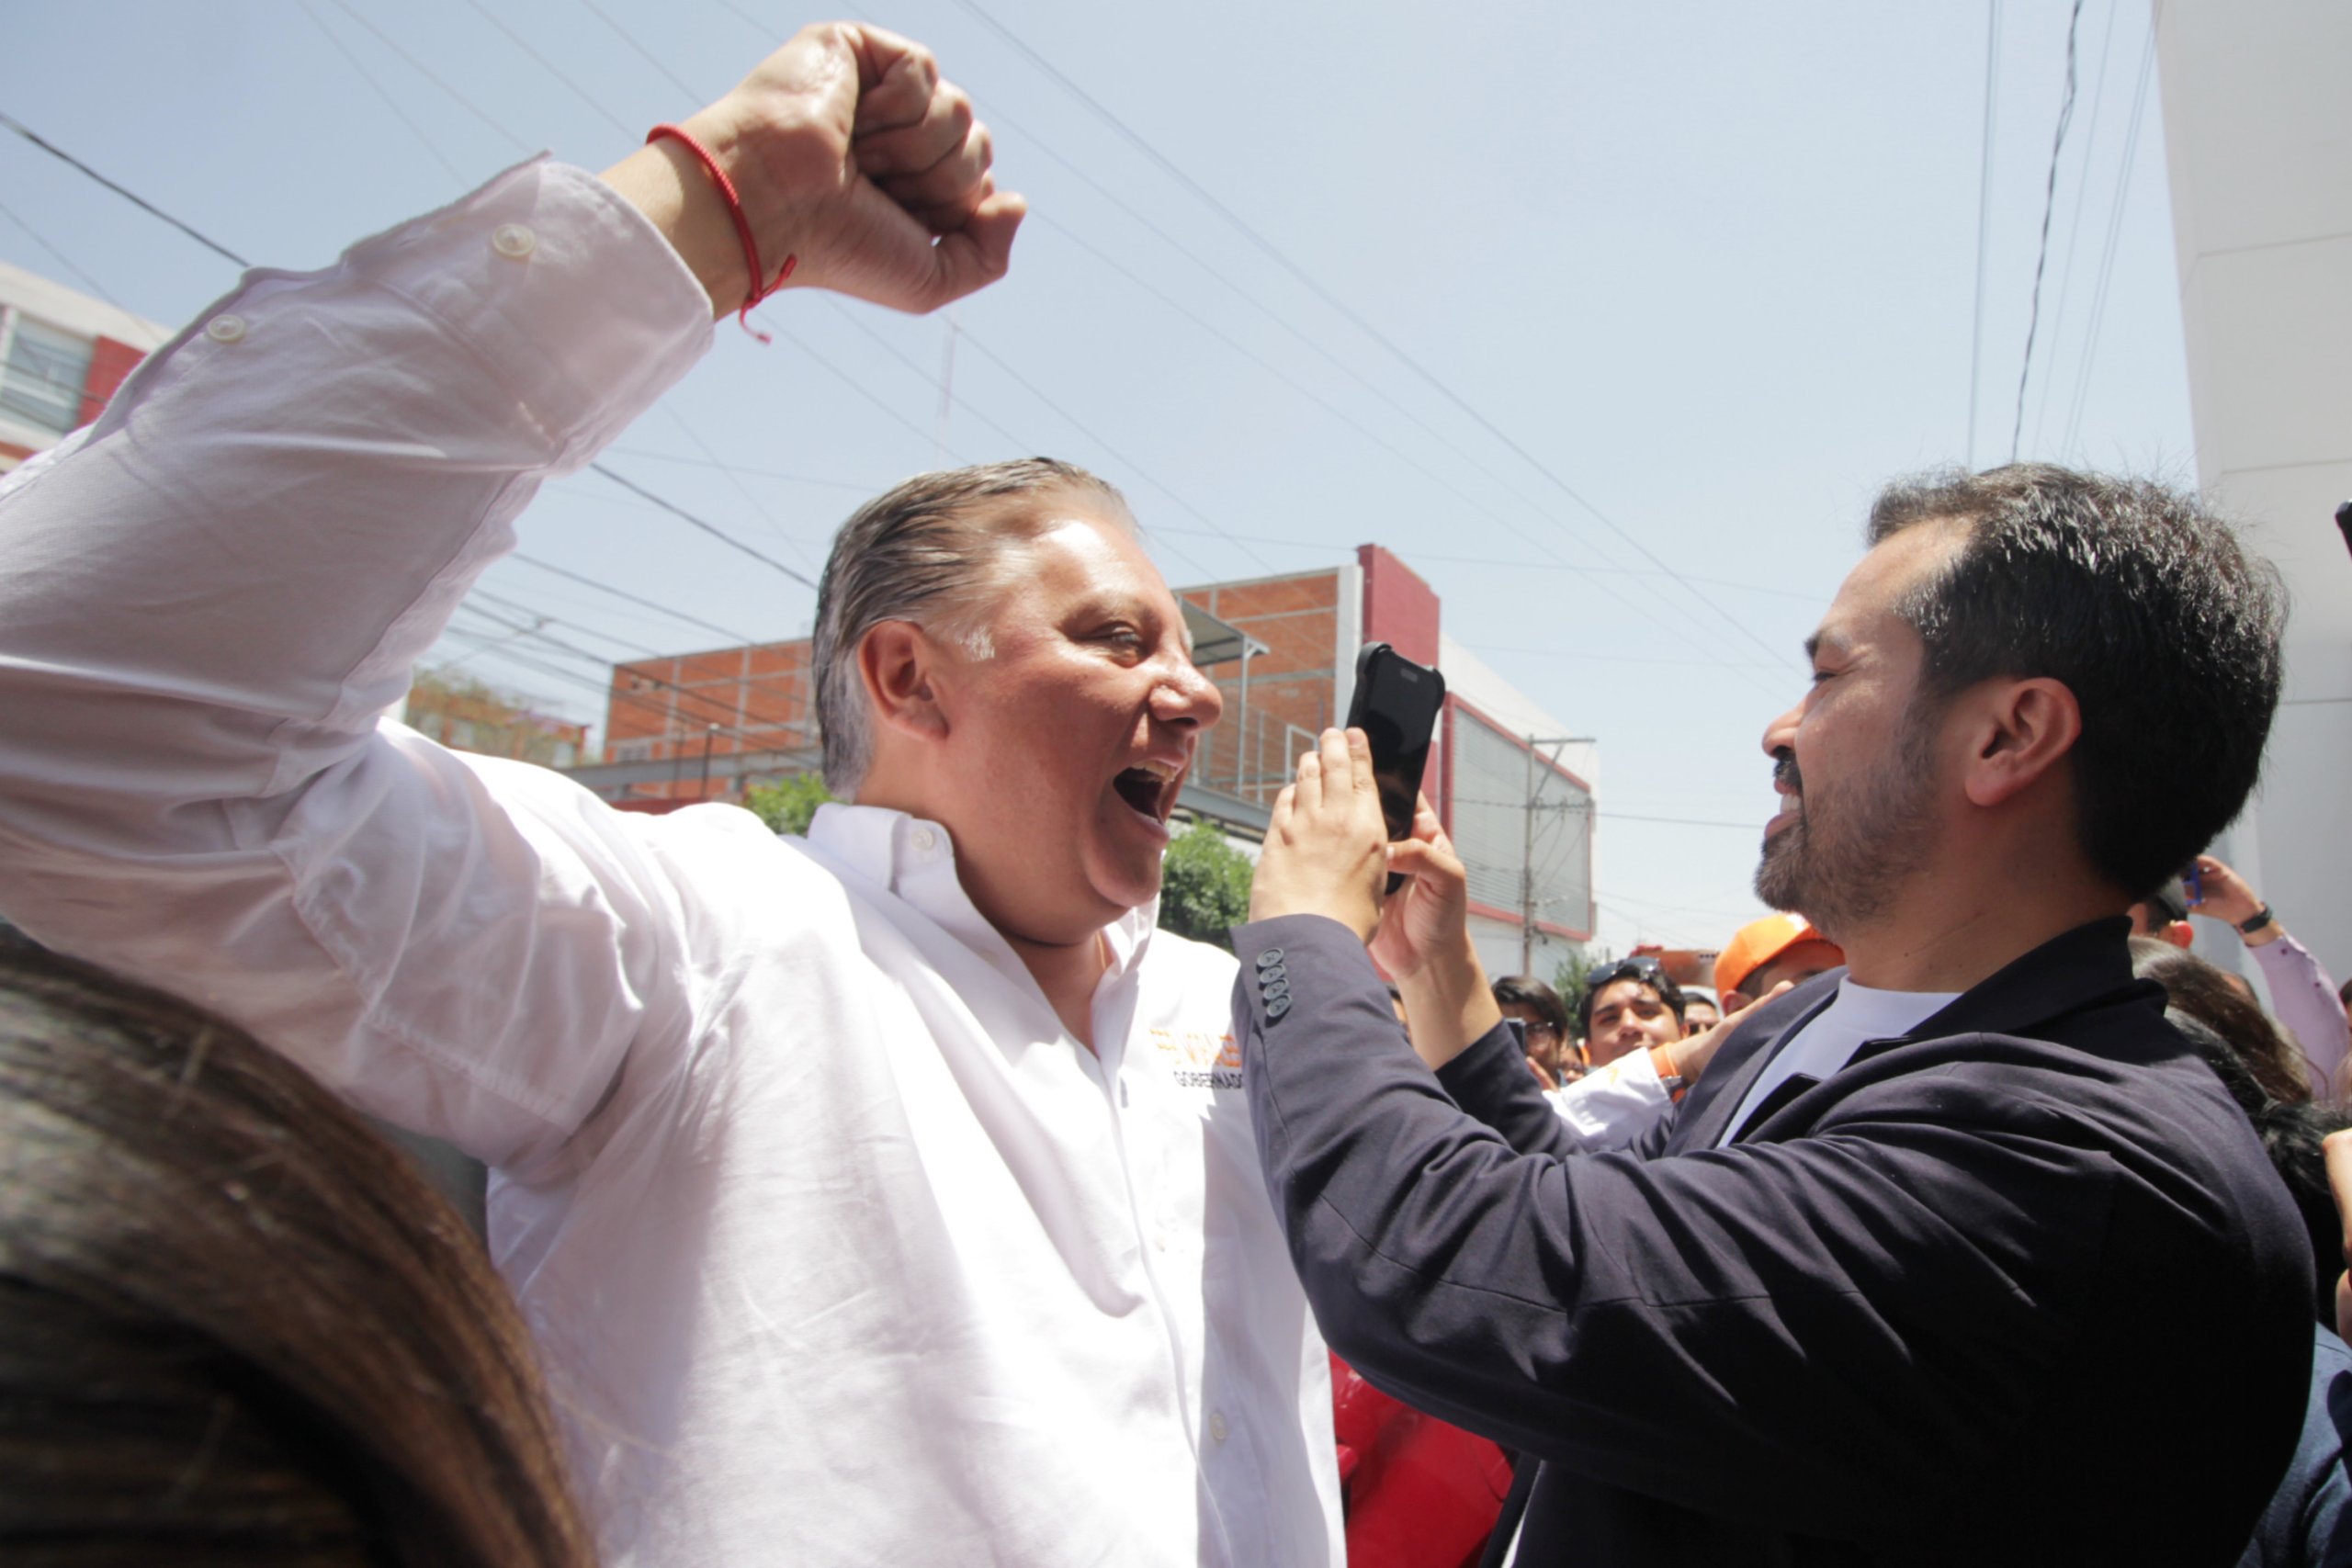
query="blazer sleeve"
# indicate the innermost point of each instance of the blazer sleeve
(1833, 1330)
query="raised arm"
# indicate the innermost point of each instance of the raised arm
(213, 591)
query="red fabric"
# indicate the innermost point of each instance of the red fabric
(1418, 1493)
(760, 287)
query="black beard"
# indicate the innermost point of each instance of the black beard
(1877, 831)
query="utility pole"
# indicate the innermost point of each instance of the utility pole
(708, 735)
(1527, 901)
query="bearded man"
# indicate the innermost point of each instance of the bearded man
(1904, 1278)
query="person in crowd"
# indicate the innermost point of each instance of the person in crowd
(2302, 994)
(2203, 991)
(884, 1196)
(1878, 1289)
(1778, 950)
(236, 1324)
(1628, 1006)
(1700, 1013)
(2163, 916)
(2308, 1522)
(1545, 1020)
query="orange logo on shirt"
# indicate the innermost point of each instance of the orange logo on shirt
(1197, 1059)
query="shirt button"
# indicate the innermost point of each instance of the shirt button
(1216, 1425)
(225, 329)
(926, 841)
(514, 240)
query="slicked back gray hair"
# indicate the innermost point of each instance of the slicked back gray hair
(931, 551)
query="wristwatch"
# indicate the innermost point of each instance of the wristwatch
(2257, 921)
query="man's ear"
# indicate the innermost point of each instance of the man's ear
(1734, 1000)
(2180, 933)
(899, 667)
(2018, 732)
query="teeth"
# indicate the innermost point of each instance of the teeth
(1163, 771)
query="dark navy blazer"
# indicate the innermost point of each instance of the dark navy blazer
(2020, 1286)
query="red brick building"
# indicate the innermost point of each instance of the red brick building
(1283, 649)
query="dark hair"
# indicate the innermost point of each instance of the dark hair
(236, 1324)
(1643, 971)
(2290, 1136)
(925, 551)
(2290, 1131)
(2143, 603)
(2205, 993)
(1527, 991)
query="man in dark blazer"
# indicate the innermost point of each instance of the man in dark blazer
(1958, 1255)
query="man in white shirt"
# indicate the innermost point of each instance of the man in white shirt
(888, 1197)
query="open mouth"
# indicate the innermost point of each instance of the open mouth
(1149, 790)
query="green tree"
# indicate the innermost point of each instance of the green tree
(787, 804)
(1204, 885)
(1569, 977)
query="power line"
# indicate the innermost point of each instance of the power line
(2082, 205)
(1396, 351)
(630, 485)
(2114, 235)
(716, 532)
(390, 102)
(727, 468)
(427, 73)
(644, 54)
(634, 598)
(523, 44)
(1983, 219)
(131, 197)
(91, 283)
(2049, 206)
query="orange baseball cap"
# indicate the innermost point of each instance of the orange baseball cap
(1757, 944)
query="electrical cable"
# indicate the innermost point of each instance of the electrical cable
(723, 466)
(136, 201)
(1396, 350)
(721, 534)
(427, 73)
(91, 283)
(1984, 221)
(390, 102)
(632, 598)
(644, 54)
(2114, 235)
(2049, 206)
(2075, 224)
(523, 44)
(683, 693)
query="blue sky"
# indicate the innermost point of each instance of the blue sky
(1709, 268)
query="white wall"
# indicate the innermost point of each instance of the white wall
(2257, 100)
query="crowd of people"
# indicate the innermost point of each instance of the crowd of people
(898, 1193)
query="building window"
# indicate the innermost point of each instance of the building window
(42, 380)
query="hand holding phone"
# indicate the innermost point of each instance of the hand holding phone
(1396, 704)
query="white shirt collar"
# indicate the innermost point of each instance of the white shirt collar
(915, 860)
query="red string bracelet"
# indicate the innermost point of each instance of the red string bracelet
(760, 287)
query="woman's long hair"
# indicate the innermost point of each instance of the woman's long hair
(236, 1326)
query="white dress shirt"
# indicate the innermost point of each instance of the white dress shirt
(838, 1247)
(1611, 1107)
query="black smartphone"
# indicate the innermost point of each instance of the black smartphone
(1396, 704)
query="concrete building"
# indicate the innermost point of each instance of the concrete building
(1283, 649)
(2258, 144)
(61, 355)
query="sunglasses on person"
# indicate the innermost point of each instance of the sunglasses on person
(1642, 967)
